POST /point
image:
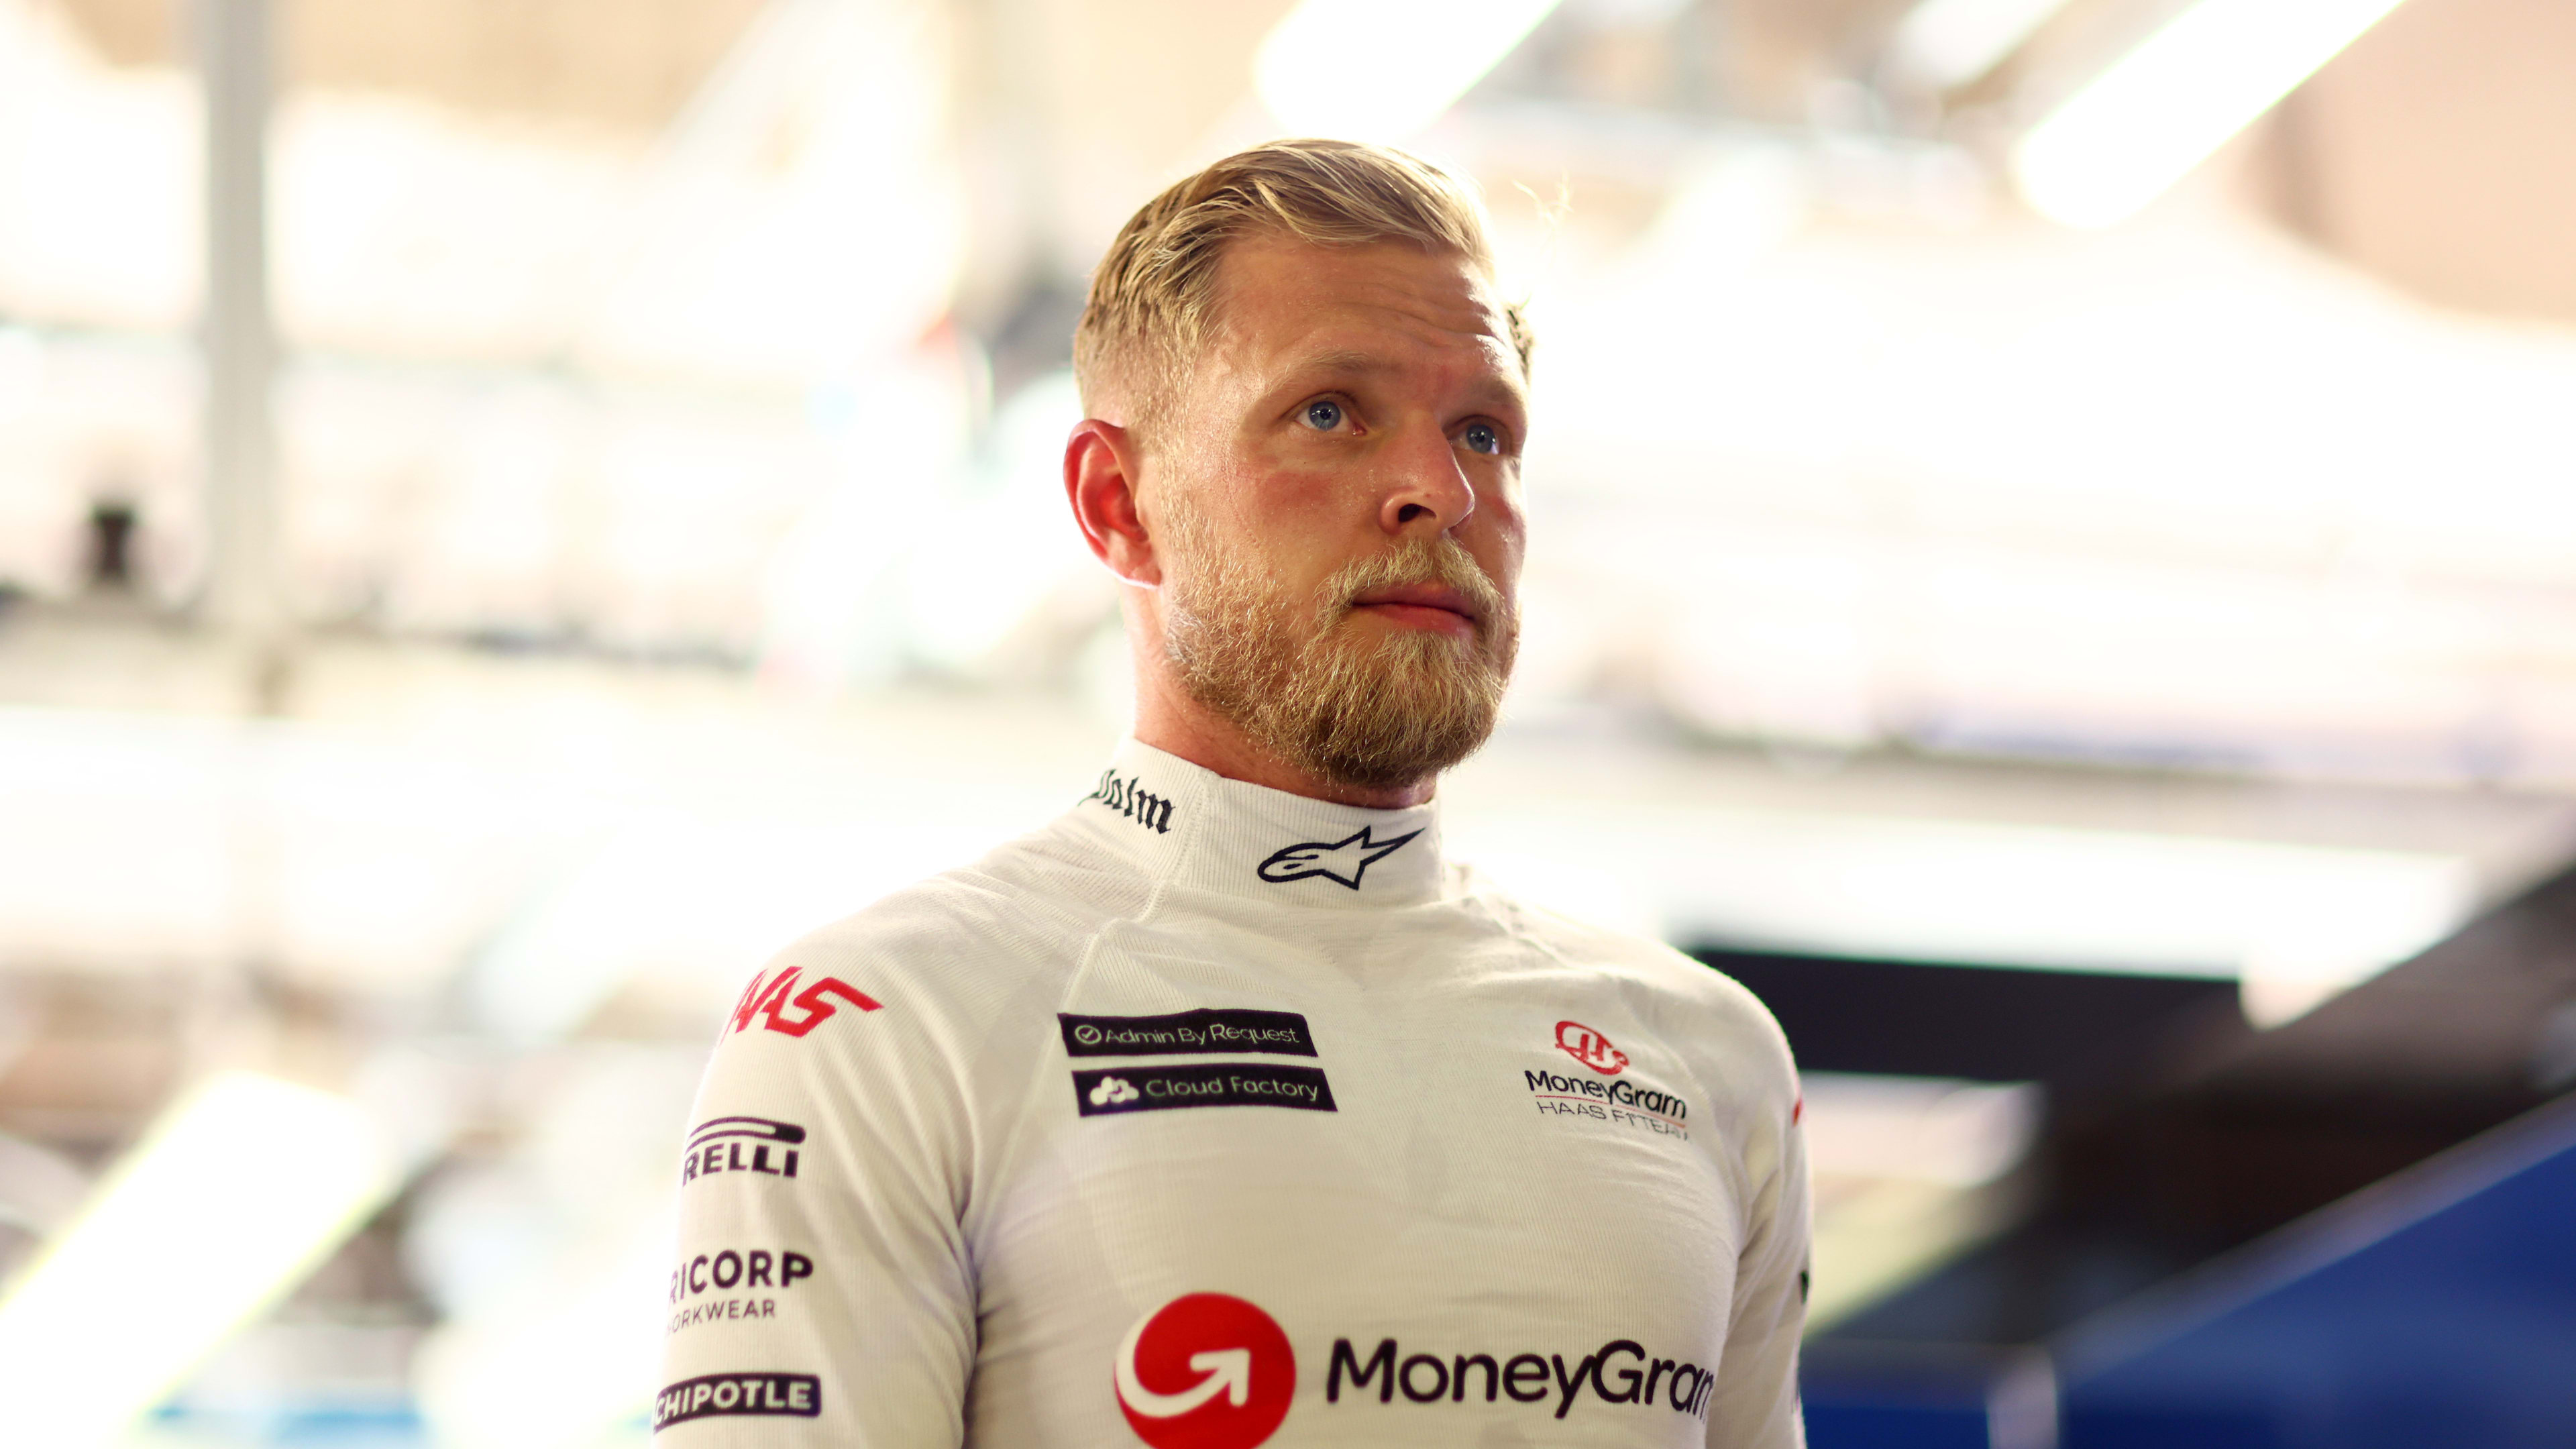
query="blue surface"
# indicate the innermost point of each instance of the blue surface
(2436, 1309)
(1862, 1422)
(1896, 1395)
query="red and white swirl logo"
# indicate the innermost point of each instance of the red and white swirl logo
(1590, 1048)
(1206, 1371)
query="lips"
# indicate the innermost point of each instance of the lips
(1418, 596)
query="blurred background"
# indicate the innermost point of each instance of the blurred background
(2054, 562)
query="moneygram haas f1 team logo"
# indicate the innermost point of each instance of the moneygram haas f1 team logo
(1590, 1048)
(777, 1003)
(1206, 1371)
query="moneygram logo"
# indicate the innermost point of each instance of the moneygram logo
(1206, 1371)
(1590, 1048)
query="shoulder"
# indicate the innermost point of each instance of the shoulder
(965, 940)
(1704, 1013)
(907, 994)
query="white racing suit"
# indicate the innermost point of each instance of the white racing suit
(1211, 1116)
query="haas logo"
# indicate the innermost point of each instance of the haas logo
(1590, 1048)
(770, 999)
(1206, 1371)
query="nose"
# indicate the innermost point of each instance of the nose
(1429, 493)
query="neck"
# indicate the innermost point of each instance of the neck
(1171, 721)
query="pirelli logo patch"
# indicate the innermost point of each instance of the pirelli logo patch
(798, 1396)
(1181, 1033)
(718, 1145)
(1113, 1090)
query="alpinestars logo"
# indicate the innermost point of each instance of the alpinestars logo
(771, 998)
(1590, 1048)
(1343, 861)
(1206, 1371)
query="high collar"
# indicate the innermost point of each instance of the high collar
(1189, 825)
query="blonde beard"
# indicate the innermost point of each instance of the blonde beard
(1297, 678)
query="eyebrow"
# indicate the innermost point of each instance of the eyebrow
(1345, 362)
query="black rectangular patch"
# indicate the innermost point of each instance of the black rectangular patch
(1208, 1029)
(755, 1391)
(1108, 1090)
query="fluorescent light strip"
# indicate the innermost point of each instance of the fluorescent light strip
(2163, 108)
(1380, 70)
(238, 1193)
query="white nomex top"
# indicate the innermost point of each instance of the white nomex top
(1211, 1116)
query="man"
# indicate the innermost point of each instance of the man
(1224, 1111)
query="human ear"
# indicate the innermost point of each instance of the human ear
(1101, 467)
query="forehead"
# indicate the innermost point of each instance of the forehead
(1282, 302)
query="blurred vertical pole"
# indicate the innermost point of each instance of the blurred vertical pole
(225, 1023)
(242, 596)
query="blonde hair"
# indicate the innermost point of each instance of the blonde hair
(1153, 295)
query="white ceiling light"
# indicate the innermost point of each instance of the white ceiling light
(1933, 890)
(2164, 107)
(1379, 70)
(1946, 43)
(233, 1197)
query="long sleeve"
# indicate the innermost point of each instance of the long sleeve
(823, 1293)
(1755, 1403)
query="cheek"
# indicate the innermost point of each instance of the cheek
(1498, 547)
(1300, 528)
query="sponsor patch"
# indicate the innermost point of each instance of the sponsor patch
(777, 1004)
(729, 1268)
(741, 1144)
(1112, 1090)
(1344, 862)
(1205, 1371)
(1590, 1048)
(720, 1310)
(1619, 1372)
(1625, 1101)
(1208, 1029)
(1126, 797)
(751, 1392)
(1212, 1371)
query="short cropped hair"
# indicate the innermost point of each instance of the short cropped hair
(1153, 296)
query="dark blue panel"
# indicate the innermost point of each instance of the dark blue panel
(1834, 1423)
(2439, 1308)
(2146, 1427)
(1897, 1396)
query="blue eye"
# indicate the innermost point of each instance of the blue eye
(1323, 415)
(1482, 438)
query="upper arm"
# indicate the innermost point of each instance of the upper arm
(1755, 1404)
(825, 1297)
